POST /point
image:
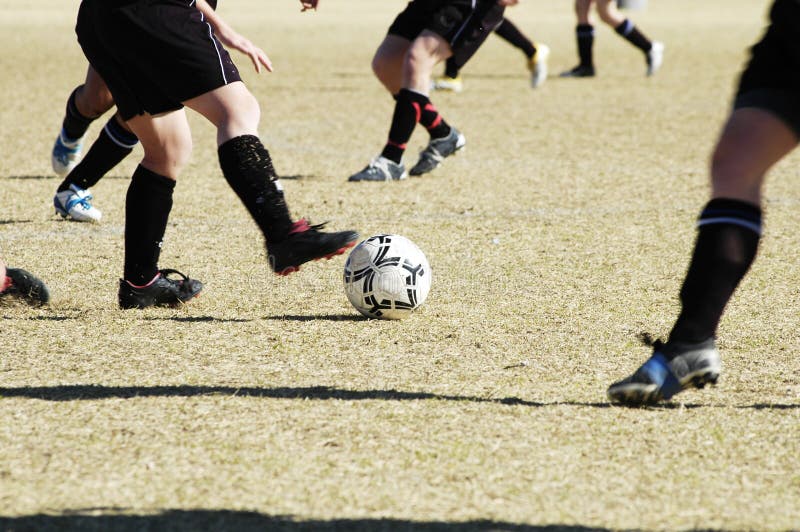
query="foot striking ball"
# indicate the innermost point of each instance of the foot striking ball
(387, 277)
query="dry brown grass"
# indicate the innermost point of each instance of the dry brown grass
(269, 403)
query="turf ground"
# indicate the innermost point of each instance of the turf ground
(556, 239)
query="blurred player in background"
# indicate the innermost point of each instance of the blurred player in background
(607, 11)
(425, 33)
(536, 55)
(763, 127)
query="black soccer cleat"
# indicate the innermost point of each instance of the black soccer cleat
(580, 71)
(305, 243)
(163, 292)
(25, 286)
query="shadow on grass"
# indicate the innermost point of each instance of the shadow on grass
(198, 319)
(87, 392)
(10, 222)
(202, 520)
(321, 317)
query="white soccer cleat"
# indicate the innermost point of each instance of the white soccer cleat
(76, 203)
(66, 154)
(655, 57)
(538, 65)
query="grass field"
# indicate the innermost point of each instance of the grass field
(556, 239)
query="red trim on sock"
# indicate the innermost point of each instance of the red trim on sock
(435, 122)
(417, 111)
(393, 143)
(6, 284)
(299, 226)
(145, 285)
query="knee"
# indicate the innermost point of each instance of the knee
(380, 69)
(93, 102)
(418, 60)
(170, 158)
(609, 15)
(243, 115)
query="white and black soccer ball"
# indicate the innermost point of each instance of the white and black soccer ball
(387, 276)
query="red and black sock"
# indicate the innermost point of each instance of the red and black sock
(727, 241)
(247, 167)
(147, 207)
(407, 112)
(114, 144)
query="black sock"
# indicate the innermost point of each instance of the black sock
(451, 68)
(147, 207)
(75, 124)
(247, 167)
(113, 145)
(432, 121)
(633, 35)
(585, 36)
(727, 241)
(511, 33)
(407, 112)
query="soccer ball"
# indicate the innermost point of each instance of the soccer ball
(387, 276)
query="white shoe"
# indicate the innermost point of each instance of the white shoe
(655, 57)
(76, 203)
(66, 154)
(538, 65)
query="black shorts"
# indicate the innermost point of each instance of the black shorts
(464, 24)
(771, 80)
(152, 54)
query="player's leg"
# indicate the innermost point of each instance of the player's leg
(584, 34)
(86, 103)
(653, 50)
(387, 64)
(763, 128)
(536, 54)
(414, 106)
(729, 230)
(167, 144)
(73, 197)
(247, 166)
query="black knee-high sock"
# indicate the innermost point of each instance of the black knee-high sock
(113, 145)
(585, 36)
(247, 167)
(407, 112)
(727, 241)
(75, 124)
(451, 68)
(147, 207)
(633, 35)
(508, 31)
(432, 121)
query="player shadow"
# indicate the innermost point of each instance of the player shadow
(244, 521)
(198, 319)
(321, 317)
(11, 222)
(90, 392)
